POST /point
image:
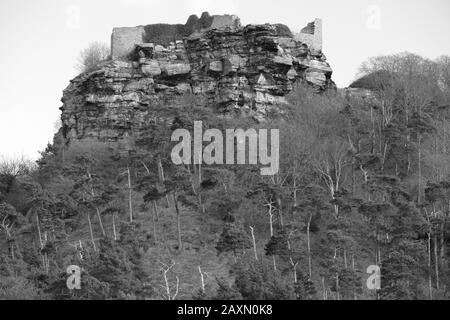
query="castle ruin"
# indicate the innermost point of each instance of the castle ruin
(124, 40)
(311, 35)
(236, 69)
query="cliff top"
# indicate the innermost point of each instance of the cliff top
(124, 39)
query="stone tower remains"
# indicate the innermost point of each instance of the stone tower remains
(311, 35)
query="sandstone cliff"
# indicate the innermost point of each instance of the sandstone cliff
(247, 69)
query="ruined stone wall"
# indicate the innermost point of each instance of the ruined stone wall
(225, 21)
(311, 35)
(123, 41)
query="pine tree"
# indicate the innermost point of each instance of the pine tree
(233, 239)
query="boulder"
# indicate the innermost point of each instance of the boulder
(151, 68)
(176, 69)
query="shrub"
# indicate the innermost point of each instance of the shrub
(90, 57)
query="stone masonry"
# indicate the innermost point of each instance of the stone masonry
(311, 35)
(123, 40)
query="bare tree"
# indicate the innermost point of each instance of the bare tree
(332, 159)
(95, 53)
(412, 84)
(177, 209)
(308, 237)
(168, 291)
(130, 193)
(7, 214)
(43, 242)
(15, 166)
(252, 230)
(293, 263)
(271, 205)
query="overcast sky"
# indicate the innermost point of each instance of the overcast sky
(40, 41)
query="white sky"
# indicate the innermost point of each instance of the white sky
(40, 41)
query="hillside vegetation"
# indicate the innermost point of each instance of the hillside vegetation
(361, 182)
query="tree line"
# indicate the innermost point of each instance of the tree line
(361, 182)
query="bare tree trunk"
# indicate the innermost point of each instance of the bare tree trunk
(200, 179)
(196, 180)
(294, 268)
(155, 207)
(81, 249)
(337, 273)
(324, 291)
(9, 238)
(41, 242)
(96, 207)
(162, 178)
(308, 235)
(202, 279)
(376, 257)
(271, 224)
(39, 231)
(373, 130)
(154, 224)
(337, 286)
(430, 286)
(165, 269)
(102, 228)
(254, 242)
(91, 232)
(180, 243)
(435, 170)
(436, 260)
(442, 242)
(280, 212)
(46, 264)
(378, 250)
(130, 201)
(291, 261)
(354, 269)
(345, 259)
(12, 250)
(114, 226)
(419, 189)
(270, 205)
(353, 175)
(379, 255)
(295, 192)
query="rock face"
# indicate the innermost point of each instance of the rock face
(123, 40)
(246, 69)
